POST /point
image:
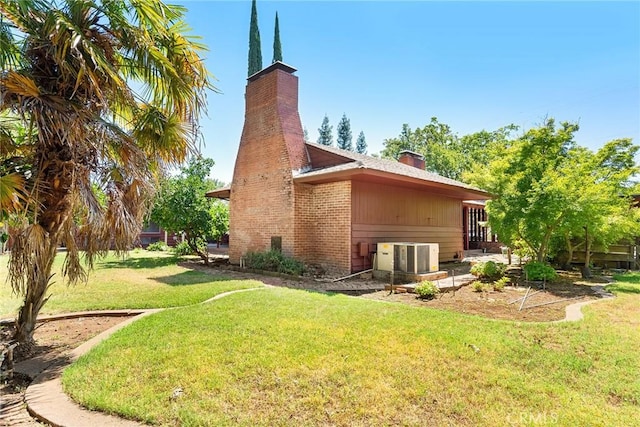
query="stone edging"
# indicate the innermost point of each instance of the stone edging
(573, 312)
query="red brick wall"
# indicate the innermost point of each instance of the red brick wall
(262, 201)
(323, 225)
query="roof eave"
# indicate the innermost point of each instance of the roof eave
(354, 173)
(219, 193)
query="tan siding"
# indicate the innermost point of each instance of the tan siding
(385, 204)
(383, 213)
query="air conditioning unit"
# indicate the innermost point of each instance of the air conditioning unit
(413, 258)
(384, 256)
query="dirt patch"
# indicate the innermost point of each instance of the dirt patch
(542, 305)
(489, 303)
(55, 337)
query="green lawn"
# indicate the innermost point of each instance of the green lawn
(141, 280)
(288, 357)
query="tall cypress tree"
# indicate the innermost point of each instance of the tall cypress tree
(361, 144)
(277, 47)
(325, 130)
(344, 134)
(255, 52)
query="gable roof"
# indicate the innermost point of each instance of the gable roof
(330, 164)
(333, 164)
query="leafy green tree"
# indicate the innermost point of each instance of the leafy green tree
(361, 144)
(480, 148)
(68, 69)
(305, 134)
(277, 46)
(444, 152)
(344, 134)
(182, 207)
(435, 142)
(600, 208)
(326, 132)
(220, 219)
(527, 180)
(255, 49)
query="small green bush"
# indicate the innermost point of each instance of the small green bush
(274, 261)
(499, 284)
(477, 286)
(427, 290)
(535, 270)
(157, 247)
(182, 249)
(488, 270)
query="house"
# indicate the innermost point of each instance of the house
(326, 206)
(152, 233)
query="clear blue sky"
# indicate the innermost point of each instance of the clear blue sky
(473, 65)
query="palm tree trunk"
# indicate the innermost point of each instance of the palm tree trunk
(56, 210)
(34, 300)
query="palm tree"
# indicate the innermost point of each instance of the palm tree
(109, 93)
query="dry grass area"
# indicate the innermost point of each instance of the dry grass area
(282, 357)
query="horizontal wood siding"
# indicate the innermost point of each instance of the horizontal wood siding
(621, 255)
(385, 204)
(384, 213)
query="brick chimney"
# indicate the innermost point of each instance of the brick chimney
(412, 159)
(271, 150)
(272, 97)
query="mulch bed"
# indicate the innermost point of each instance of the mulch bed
(492, 304)
(502, 304)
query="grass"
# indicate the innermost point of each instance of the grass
(290, 357)
(141, 280)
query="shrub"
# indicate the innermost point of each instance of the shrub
(535, 270)
(477, 286)
(274, 261)
(182, 248)
(427, 290)
(488, 270)
(499, 284)
(157, 246)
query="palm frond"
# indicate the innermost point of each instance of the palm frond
(19, 85)
(28, 256)
(12, 194)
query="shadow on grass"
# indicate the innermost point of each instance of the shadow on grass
(624, 288)
(187, 278)
(142, 262)
(629, 277)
